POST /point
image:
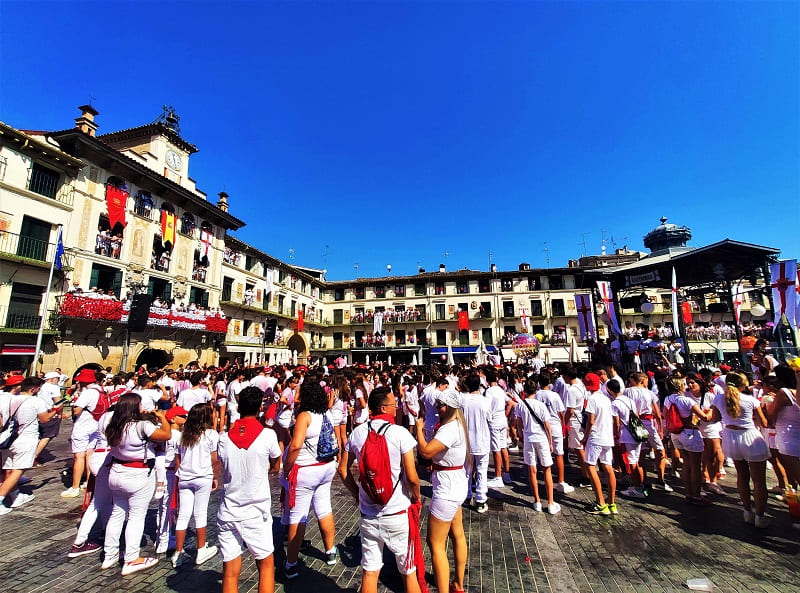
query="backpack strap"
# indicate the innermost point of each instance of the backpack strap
(382, 432)
(535, 417)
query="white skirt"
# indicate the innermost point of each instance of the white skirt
(745, 445)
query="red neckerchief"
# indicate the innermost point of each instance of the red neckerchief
(244, 431)
(387, 417)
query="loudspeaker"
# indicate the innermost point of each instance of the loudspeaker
(718, 307)
(140, 311)
(269, 331)
(633, 302)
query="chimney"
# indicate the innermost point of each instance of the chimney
(493, 268)
(223, 201)
(524, 267)
(85, 123)
(442, 269)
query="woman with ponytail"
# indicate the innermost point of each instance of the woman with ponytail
(742, 441)
(448, 451)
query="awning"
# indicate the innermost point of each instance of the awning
(18, 350)
(461, 349)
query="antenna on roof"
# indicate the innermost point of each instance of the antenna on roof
(583, 242)
(355, 269)
(546, 254)
(325, 257)
(291, 255)
(446, 255)
(603, 241)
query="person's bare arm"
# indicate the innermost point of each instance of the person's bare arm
(410, 476)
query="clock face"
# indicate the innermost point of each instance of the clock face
(173, 160)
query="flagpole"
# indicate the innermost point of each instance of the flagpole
(39, 335)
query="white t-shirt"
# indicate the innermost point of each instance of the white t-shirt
(603, 427)
(171, 448)
(477, 415)
(196, 460)
(576, 396)
(621, 407)
(85, 424)
(191, 397)
(150, 398)
(285, 415)
(684, 403)
(531, 429)
(245, 490)
(134, 444)
(450, 484)
(497, 405)
(642, 398)
(747, 404)
(260, 381)
(361, 412)
(398, 441)
(49, 394)
(26, 409)
(555, 407)
(428, 398)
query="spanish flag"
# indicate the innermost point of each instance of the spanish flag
(167, 229)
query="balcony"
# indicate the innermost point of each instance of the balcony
(29, 250)
(410, 316)
(84, 307)
(25, 319)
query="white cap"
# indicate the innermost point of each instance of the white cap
(52, 375)
(450, 397)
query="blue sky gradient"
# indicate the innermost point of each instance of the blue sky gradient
(393, 132)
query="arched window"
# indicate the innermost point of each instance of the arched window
(188, 224)
(143, 204)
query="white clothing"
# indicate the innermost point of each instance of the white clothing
(602, 433)
(150, 398)
(532, 430)
(747, 404)
(428, 399)
(576, 401)
(621, 407)
(134, 444)
(497, 405)
(195, 461)
(189, 398)
(450, 484)
(477, 415)
(49, 394)
(787, 427)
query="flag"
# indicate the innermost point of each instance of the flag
(583, 305)
(270, 281)
(524, 319)
(300, 324)
(116, 200)
(167, 229)
(737, 292)
(608, 301)
(59, 251)
(784, 290)
(675, 326)
(686, 312)
(463, 320)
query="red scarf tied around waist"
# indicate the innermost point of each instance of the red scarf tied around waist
(416, 554)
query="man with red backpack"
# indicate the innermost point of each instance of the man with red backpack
(87, 407)
(388, 492)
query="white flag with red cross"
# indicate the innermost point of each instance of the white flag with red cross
(783, 281)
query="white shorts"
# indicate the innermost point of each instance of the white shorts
(689, 440)
(336, 416)
(558, 440)
(444, 510)
(313, 487)
(20, 455)
(285, 421)
(497, 439)
(537, 454)
(599, 454)
(391, 532)
(653, 438)
(787, 444)
(574, 438)
(710, 430)
(633, 452)
(255, 533)
(80, 441)
(745, 445)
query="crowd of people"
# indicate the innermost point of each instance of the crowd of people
(175, 435)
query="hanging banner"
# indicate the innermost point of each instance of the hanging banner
(583, 305)
(167, 229)
(300, 321)
(377, 323)
(783, 282)
(686, 312)
(270, 281)
(463, 320)
(675, 326)
(206, 235)
(116, 200)
(608, 301)
(524, 319)
(737, 292)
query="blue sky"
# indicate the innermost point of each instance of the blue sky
(393, 132)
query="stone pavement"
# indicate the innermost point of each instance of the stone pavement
(649, 547)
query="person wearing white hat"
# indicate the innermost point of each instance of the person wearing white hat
(448, 451)
(49, 393)
(84, 427)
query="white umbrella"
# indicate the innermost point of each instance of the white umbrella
(450, 360)
(414, 360)
(367, 358)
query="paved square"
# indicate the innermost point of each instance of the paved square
(648, 548)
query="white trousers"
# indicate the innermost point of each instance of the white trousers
(165, 514)
(131, 491)
(101, 501)
(479, 469)
(193, 496)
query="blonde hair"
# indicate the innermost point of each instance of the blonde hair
(733, 382)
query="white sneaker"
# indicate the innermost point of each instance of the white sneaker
(554, 508)
(4, 510)
(71, 493)
(495, 483)
(83, 486)
(728, 462)
(564, 488)
(109, 562)
(178, 558)
(162, 547)
(537, 506)
(205, 553)
(21, 499)
(131, 567)
(506, 478)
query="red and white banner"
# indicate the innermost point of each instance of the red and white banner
(674, 301)
(116, 200)
(583, 305)
(608, 302)
(783, 282)
(524, 319)
(737, 292)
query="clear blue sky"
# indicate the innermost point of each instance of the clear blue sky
(392, 132)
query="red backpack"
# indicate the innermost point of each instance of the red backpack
(673, 420)
(375, 468)
(102, 405)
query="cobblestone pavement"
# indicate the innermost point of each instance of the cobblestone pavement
(649, 547)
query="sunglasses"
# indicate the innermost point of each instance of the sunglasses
(440, 404)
